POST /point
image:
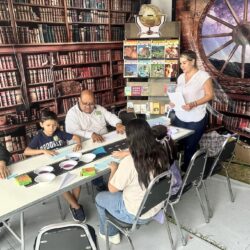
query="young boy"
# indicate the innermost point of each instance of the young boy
(47, 141)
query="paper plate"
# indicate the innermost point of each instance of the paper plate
(68, 165)
(88, 157)
(43, 178)
(74, 156)
(43, 170)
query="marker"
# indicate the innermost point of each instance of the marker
(12, 176)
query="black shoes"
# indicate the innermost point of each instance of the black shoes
(78, 214)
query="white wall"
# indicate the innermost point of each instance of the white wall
(165, 6)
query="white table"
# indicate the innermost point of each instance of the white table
(16, 199)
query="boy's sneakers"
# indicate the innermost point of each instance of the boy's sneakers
(78, 214)
(115, 239)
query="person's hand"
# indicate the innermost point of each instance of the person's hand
(50, 152)
(189, 106)
(120, 154)
(97, 138)
(113, 166)
(77, 147)
(120, 129)
(4, 172)
(171, 105)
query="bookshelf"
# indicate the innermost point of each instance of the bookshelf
(50, 50)
(150, 66)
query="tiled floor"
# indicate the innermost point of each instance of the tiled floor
(228, 229)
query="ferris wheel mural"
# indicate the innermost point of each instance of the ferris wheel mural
(225, 37)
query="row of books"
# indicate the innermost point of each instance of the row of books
(239, 107)
(83, 56)
(117, 34)
(104, 98)
(97, 84)
(41, 93)
(41, 2)
(67, 74)
(51, 15)
(85, 33)
(125, 5)
(36, 76)
(9, 79)
(13, 143)
(90, 4)
(92, 16)
(6, 35)
(151, 49)
(151, 68)
(67, 103)
(118, 18)
(4, 12)
(15, 117)
(37, 60)
(10, 98)
(119, 95)
(119, 81)
(116, 55)
(52, 34)
(7, 62)
(236, 123)
(118, 67)
(102, 70)
(30, 132)
(17, 157)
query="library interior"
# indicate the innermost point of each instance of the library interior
(121, 119)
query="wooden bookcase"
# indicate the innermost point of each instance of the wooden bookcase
(50, 50)
(146, 90)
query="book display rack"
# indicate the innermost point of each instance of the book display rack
(50, 50)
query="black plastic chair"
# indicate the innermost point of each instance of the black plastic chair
(126, 116)
(192, 178)
(65, 236)
(157, 192)
(223, 160)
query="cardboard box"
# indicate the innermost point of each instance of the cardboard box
(242, 152)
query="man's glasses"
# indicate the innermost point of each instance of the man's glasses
(91, 105)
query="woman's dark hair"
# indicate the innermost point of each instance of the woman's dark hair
(190, 55)
(48, 115)
(161, 134)
(150, 157)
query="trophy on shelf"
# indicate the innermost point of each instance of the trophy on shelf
(149, 21)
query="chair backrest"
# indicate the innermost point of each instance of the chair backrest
(65, 236)
(195, 171)
(226, 153)
(126, 116)
(158, 191)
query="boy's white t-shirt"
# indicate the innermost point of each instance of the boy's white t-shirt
(192, 91)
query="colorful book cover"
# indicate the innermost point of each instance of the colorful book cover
(157, 68)
(171, 68)
(89, 171)
(23, 180)
(127, 91)
(144, 108)
(155, 108)
(158, 49)
(144, 49)
(144, 68)
(130, 68)
(130, 49)
(172, 49)
(137, 108)
(136, 90)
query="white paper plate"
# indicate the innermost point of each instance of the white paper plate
(88, 157)
(68, 165)
(74, 156)
(45, 178)
(43, 170)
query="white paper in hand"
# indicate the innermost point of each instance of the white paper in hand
(67, 178)
(177, 99)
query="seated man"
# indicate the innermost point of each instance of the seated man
(88, 120)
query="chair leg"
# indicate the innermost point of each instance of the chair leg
(209, 208)
(60, 208)
(202, 205)
(184, 242)
(130, 241)
(229, 186)
(169, 231)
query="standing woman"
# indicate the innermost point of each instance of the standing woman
(128, 181)
(197, 89)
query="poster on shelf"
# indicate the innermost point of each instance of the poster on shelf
(158, 49)
(144, 49)
(130, 68)
(130, 49)
(172, 49)
(144, 68)
(171, 68)
(157, 68)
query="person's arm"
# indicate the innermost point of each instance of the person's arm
(4, 172)
(30, 152)
(4, 159)
(121, 153)
(208, 95)
(113, 168)
(78, 145)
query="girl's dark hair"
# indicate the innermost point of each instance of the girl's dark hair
(190, 55)
(161, 134)
(150, 157)
(48, 115)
